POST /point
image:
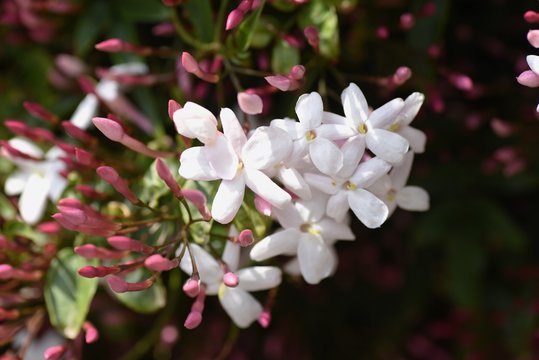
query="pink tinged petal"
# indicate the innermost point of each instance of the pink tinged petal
(337, 206)
(322, 183)
(385, 114)
(315, 260)
(387, 145)
(335, 131)
(533, 62)
(194, 165)
(231, 255)
(369, 171)
(195, 121)
(293, 181)
(33, 200)
(208, 268)
(331, 230)
(257, 278)
(331, 118)
(528, 78)
(292, 127)
(241, 306)
(266, 147)
(232, 129)
(222, 158)
(262, 185)
(354, 105)
(281, 82)
(412, 104)
(278, 243)
(416, 138)
(228, 199)
(352, 150)
(400, 173)
(15, 182)
(309, 109)
(413, 198)
(250, 103)
(326, 156)
(370, 210)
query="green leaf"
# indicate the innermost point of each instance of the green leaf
(200, 14)
(284, 57)
(141, 10)
(146, 301)
(262, 35)
(246, 30)
(90, 25)
(323, 15)
(67, 294)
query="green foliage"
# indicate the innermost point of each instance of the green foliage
(67, 294)
(322, 14)
(283, 57)
(146, 301)
(200, 13)
(245, 31)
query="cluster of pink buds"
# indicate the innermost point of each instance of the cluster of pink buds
(289, 82)
(74, 215)
(235, 17)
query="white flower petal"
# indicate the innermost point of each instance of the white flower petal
(278, 243)
(289, 216)
(354, 105)
(58, 185)
(231, 255)
(533, 62)
(26, 146)
(335, 131)
(369, 171)
(15, 182)
(315, 260)
(194, 165)
(381, 187)
(292, 267)
(413, 198)
(208, 268)
(416, 138)
(293, 181)
(412, 104)
(266, 147)
(370, 210)
(222, 158)
(85, 111)
(331, 230)
(337, 206)
(352, 150)
(262, 185)
(258, 278)
(385, 114)
(331, 118)
(195, 121)
(400, 173)
(232, 129)
(33, 200)
(322, 183)
(228, 199)
(241, 306)
(292, 127)
(313, 209)
(309, 109)
(387, 145)
(326, 156)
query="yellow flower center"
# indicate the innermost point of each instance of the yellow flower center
(394, 127)
(391, 195)
(310, 135)
(362, 128)
(350, 185)
(240, 166)
(307, 228)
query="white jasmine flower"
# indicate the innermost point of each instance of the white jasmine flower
(237, 301)
(401, 125)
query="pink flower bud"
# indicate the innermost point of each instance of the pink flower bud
(39, 112)
(158, 263)
(189, 63)
(164, 173)
(92, 335)
(193, 320)
(164, 29)
(191, 287)
(501, 128)
(110, 128)
(234, 19)
(382, 32)
(117, 284)
(246, 238)
(6, 271)
(84, 157)
(250, 103)
(76, 132)
(54, 352)
(97, 271)
(245, 5)
(230, 279)
(461, 82)
(127, 244)
(297, 72)
(17, 127)
(407, 21)
(528, 78)
(73, 215)
(279, 81)
(262, 205)
(90, 251)
(264, 319)
(70, 65)
(88, 272)
(49, 227)
(108, 174)
(531, 16)
(111, 45)
(173, 106)
(402, 74)
(198, 199)
(312, 36)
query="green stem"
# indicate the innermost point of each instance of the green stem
(220, 20)
(229, 343)
(184, 34)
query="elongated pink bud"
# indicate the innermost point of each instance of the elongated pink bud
(38, 111)
(198, 199)
(402, 74)
(70, 65)
(461, 82)
(17, 127)
(111, 176)
(91, 334)
(49, 227)
(312, 36)
(501, 128)
(250, 103)
(73, 215)
(108, 174)
(245, 5)
(191, 287)
(297, 72)
(234, 19)
(111, 45)
(6, 271)
(407, 21)
(76, 132)
(158, 263)
(281, 82)
(54, 352)
(193, 320)
(189, 63)
(84, 157)
(531, 16)
(245, 238)
(230, 279)
(9, 314)
(119, 285)
(173, 106)
(164, 29)
(528, 78)
(127, 244)
(90, 251)
(265, 318)
(97, 271)
(110, 128)
(164, 173)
